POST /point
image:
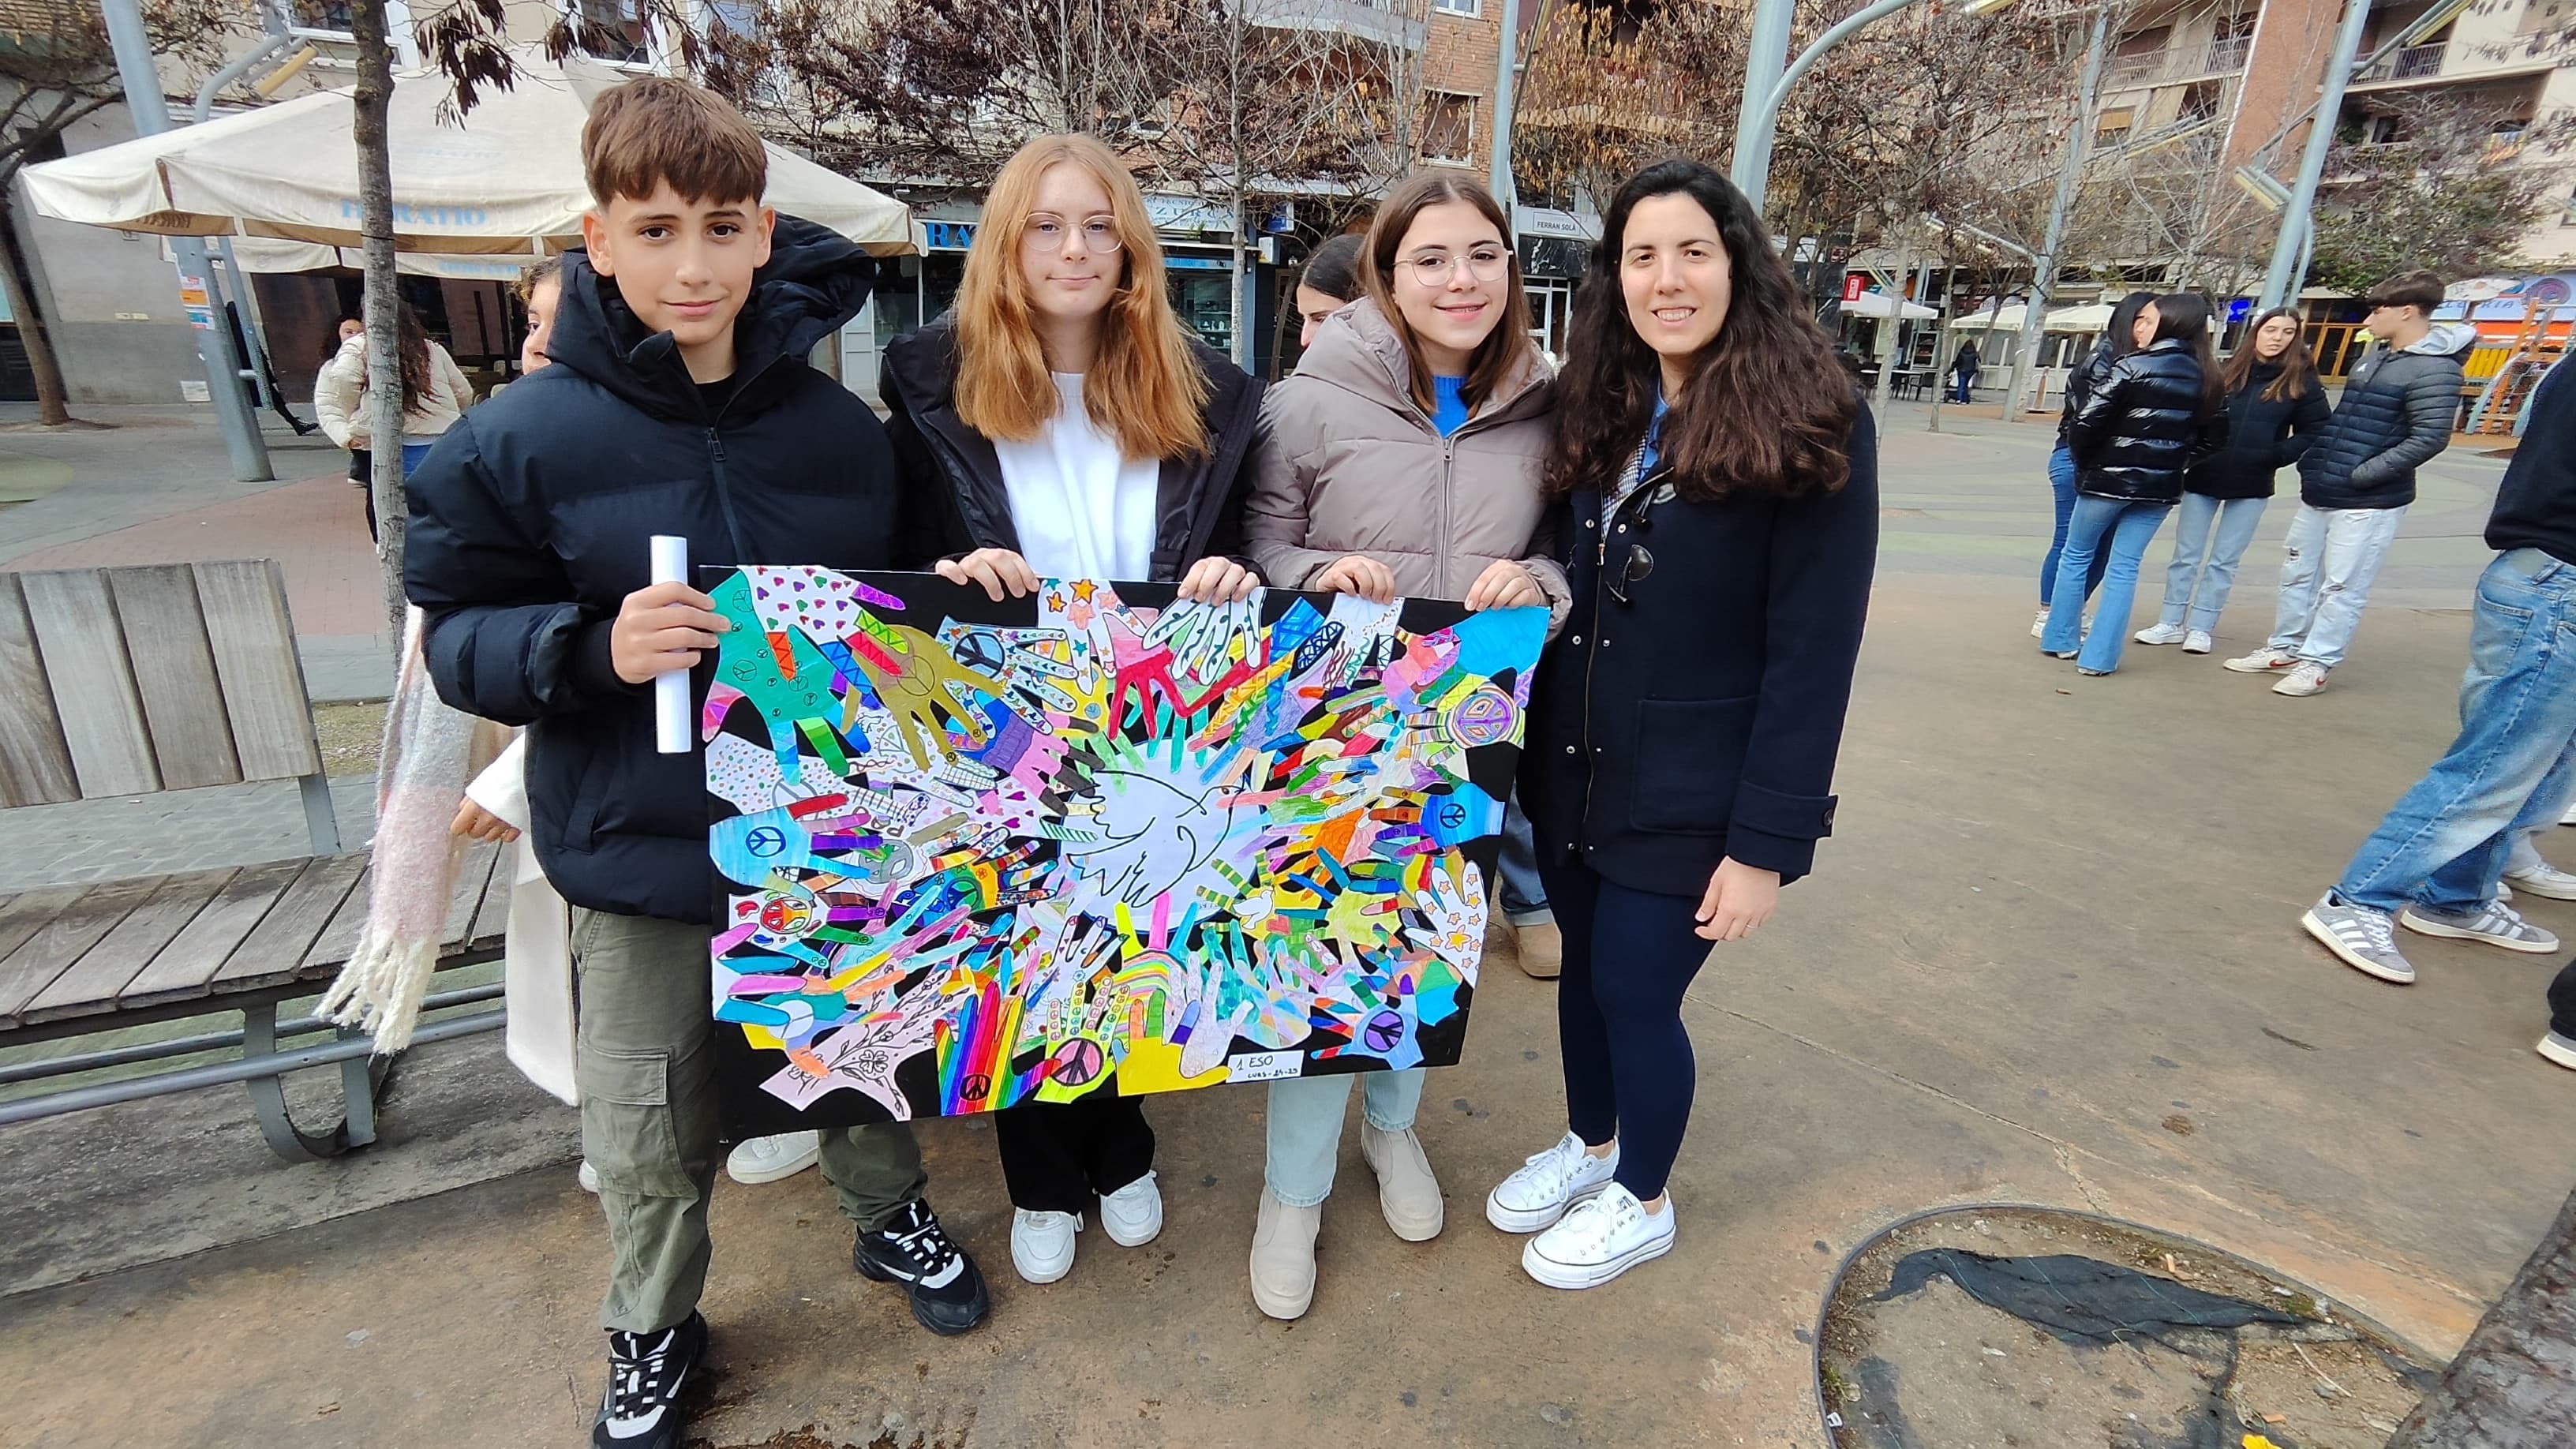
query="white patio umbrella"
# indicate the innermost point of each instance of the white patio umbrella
(508, 179)
(1882, 304)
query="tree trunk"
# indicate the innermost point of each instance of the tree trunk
(2514, 1384)
(1893, 353)
(53, 400)
(375, 93)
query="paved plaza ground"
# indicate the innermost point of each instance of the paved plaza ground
(2051, 957)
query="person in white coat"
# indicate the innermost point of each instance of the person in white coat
(435, 394)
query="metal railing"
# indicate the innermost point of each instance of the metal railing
(2415, 62)
(2180, 63)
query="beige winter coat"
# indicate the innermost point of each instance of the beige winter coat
(339, 396)
(1351, 465)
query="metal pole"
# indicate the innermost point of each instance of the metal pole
(1760, 121)
(1498, 167)
(81, 1099)
(2070, 177)
(2277, 281)
(1764, 53)
(151, 108)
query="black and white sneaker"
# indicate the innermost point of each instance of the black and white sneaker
(948, 1294)
(646, 1372)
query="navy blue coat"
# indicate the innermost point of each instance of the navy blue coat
(2263, 437)
(2141, 426)
(1700, 719)
(529, 527)
(2396, 413)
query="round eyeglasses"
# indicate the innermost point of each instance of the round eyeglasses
(1046, 233)
(1484, 266)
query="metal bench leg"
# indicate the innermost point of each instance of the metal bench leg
(361, 1079)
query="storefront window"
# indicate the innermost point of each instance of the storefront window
(1205, 304)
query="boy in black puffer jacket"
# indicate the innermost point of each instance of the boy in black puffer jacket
(679, 402)
(2357, 479)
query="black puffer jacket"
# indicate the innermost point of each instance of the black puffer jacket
(2141, 427)
(530, 524)
(2396, 413)
(955, 500)
(2263, 437)
(2079, 385)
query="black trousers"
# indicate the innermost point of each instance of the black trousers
(1058, 1156)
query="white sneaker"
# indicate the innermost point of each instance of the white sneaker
(2161, 633)
(1042, 1244)
(770, 1159)
(1599, 1240)
(2306, 679)
(2263, 661)
(2559, 1049)
(588, 1177)
(1548, 1184)
(1133, 1214)
(2548, 881)
(2039, 626)
(2570, 817)
(2196, 641)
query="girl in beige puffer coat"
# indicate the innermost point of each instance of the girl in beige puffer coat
(1402, 458)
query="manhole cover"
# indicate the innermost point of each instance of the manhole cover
(1980, 1328)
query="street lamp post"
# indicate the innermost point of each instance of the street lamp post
(1766, 85)
(151, 108)
(2297, 223)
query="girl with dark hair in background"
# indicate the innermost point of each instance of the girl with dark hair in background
(1718, 480)
(435, 393)
(2120, 337)
(2275, 406)
(2152, 414)
(1330, 282)
(1402, 458)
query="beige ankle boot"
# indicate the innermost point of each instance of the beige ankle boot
(1283, 1257)
(1406, 1191)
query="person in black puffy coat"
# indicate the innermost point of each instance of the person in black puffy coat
(2275, 406)
(2153, 414)
(2356, 480)
(2120, 338)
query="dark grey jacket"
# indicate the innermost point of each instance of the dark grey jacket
(2396, 413)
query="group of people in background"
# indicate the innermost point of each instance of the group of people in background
(1697, 488)
(2152, 422)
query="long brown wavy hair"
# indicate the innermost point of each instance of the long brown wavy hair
(1767, 408)
(1144, 387)
(2298, 368)
(1508, 345)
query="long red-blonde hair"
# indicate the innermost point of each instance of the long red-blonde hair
(1144, 388)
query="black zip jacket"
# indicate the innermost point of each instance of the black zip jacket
(2079, 385)
(2141, 426)
(529, 527)
(954, 499)
(1700, 719)
(2263, 437)
(2535, 505)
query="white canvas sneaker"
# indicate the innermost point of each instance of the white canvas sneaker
(1133, 1214)
(1599, 1240)
(770, 1159)
(1547, 1184)
(1042, 1244)
(2161, 633)
(2306, 678)
(2263, 661)
(2039, 626)
(2196, 641)
(2547, 881)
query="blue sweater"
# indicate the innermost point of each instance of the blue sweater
(1448, 410)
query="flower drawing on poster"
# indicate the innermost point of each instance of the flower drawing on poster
(978, 854)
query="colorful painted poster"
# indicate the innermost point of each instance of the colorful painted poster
(973, 854)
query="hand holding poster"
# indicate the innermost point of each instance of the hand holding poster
(974, 854)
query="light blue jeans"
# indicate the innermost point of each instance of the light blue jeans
(2511, 770)
(1306, 1126)
(2122, 528)
(2202, 572)
(1522, 898)
(2061, 487)
(2328, 564)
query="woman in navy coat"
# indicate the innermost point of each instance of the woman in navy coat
(1719, 478)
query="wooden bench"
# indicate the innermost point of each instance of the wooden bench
(133, 681)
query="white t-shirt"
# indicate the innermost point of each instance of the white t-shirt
(1082, 510)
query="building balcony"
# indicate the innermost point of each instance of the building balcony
(1372, 22)
(2177, 63)
(2443, 63)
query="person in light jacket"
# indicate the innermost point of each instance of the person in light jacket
(435, 394)
(1402, 458)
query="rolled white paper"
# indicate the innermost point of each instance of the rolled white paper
(671, 691)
